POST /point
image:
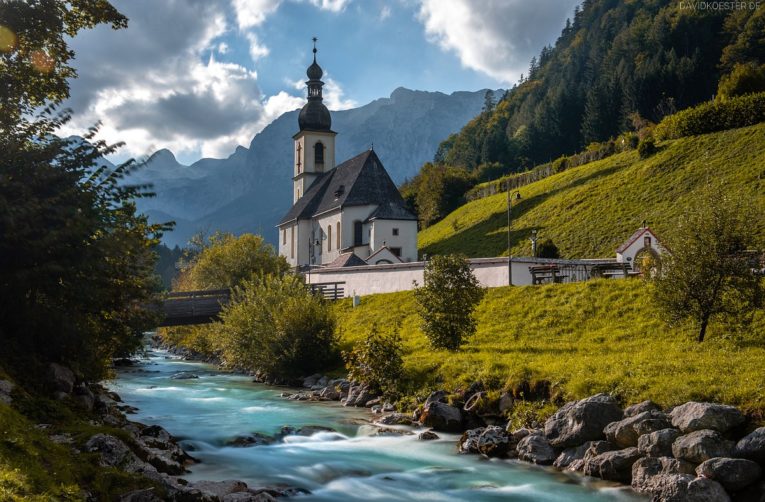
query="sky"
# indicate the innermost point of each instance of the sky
(201, 77)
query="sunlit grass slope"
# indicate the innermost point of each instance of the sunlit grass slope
(598, 336)
(589, 210)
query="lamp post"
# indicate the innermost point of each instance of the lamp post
(510, 195)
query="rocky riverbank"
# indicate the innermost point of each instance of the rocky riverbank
(693, 452)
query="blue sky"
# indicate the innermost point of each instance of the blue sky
(200, 77)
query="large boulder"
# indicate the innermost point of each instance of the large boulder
(468, 443)
(702, 445)
(694, 416)
(639, 408)
(646, 468)
(625, 433)
(495, 442)
(595, 448)
(752, 446)
(733, 473)
(580, 421)
(113, 452)
(613, 465)
(658, 443)
(679, 487)
(61, 378)
(219, 489)
(535, 448)
(441, 417)
(395, 419)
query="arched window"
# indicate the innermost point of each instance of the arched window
(339, 247)
(329, 237)
(358, 228)
(318, 153)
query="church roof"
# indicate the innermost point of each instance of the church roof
(359, 181)
(638, 233)
(391, 211)
(347, 260)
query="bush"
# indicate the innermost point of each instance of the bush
(743, 79)
(647, 147)
(377, 361)
(447, 301)
(713, 116)
(275, 325)
(560, 164)
(547, 249)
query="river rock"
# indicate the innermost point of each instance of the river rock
(752, 446)
(468, 443)
(506, 403)
(254, 439)
(438, 396)
(694, 416)
(185, 375)
(6, 387)
(441, 417)
(571, 455)
(702, 445)
(625, 433)
(596, 448)
(113, 452)
(494, 442)
(61, 378)
(310, 381)
(219, 489)
(395, 419)
(580, 421)
(639, 408)
(249, 497)
(613, 465)
(146, 495)
(83, 396)
(658, 443)
(733, 473)
(537, 449)
(428, 436)
(644, 469)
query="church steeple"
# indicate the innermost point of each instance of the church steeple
(314, 116)
(315, 142)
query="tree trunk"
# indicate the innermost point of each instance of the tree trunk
(703, 329)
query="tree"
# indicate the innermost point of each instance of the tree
(743, 79)
(377, 362)
(707, 272)
(548, 249)
(447, 301)
(277, 326)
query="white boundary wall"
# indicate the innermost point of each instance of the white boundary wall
(490, 272)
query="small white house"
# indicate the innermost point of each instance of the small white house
(339, 210)
(641, 244)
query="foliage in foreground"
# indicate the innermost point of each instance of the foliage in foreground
(447, 301)
(377, 362)
(582, 338)
(275, 325)
(707, 271)
(714, 116)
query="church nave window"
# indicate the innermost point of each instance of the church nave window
(358, 229)
(329, 237)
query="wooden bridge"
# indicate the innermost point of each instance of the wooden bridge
(203, 307)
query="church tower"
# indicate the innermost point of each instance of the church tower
(315, 142)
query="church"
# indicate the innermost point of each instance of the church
(342, 215)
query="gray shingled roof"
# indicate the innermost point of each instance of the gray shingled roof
(359, 181)
(347, 260)
(391, 211)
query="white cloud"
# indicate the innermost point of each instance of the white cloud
(334, 96)
(385, 12)
(257, 50)
(496, 37)
(330, 5)
(222, 48)
(251, 13)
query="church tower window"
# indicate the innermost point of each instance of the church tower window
(318, 154)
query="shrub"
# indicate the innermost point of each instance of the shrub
(560, 164)
(743, 79)
(275, 325)
(547, 249)
(647, 147)
(377, 361)
(447, 301)
(713, 116)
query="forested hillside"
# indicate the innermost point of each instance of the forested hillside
(616, 67)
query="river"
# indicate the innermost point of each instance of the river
(350, 465)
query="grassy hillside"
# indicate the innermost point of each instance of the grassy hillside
(598, 336)
(589, 210)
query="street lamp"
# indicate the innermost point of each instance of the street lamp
(510, 195)
(534, 242)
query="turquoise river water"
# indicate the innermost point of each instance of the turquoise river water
(348, 465)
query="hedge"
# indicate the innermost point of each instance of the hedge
(713, 116)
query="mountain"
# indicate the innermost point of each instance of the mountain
(589, 210)
(251, 189)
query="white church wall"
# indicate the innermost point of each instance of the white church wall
(406, 240)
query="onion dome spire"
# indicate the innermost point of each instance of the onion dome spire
(314, 116)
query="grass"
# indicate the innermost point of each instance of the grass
(589, 210)
(34, 468)
(583, 338)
